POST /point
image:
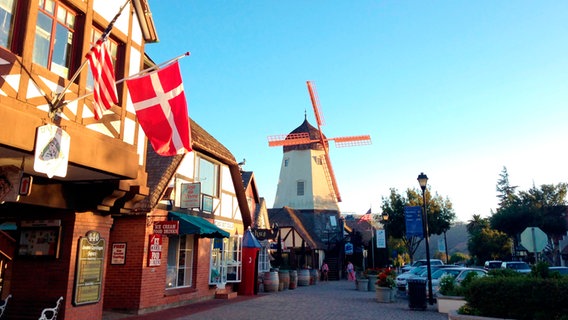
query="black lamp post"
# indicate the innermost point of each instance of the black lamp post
(385, 218)
(423, 180)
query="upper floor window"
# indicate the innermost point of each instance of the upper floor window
(208, 175)
(300, 188)
(286, 161)
(54, 35)
(7, 11)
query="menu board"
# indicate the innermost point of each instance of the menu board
(88, 278)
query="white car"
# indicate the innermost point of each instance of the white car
(422, 262)
(403, 277)
(458, 273)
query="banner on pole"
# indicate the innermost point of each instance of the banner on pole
(413, 219)
(381, 239)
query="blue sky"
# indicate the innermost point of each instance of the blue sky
(455, 89)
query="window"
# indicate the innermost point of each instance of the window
(180, 261)
(300, 188)
(113, 47)
(318, 160)
(226, 260)
(286, 162)
(263, 258)
(7, 10)
(208, 175)
(54, 35)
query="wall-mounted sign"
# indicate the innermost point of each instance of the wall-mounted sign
(381, 238)
(89, 275)
(118, 253)
(155, 250)
(348, 248)
(39, 238)
(207, 203)
(52, 151)
(190, 195)
(166, 227)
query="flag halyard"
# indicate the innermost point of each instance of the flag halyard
(161, 108)
(104, 90)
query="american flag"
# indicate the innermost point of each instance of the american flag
(104, 91)
(366, 216)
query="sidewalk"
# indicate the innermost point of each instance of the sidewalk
(325, 301)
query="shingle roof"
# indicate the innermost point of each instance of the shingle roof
(162, 169)
(310, 224)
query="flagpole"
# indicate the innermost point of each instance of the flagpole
(153, 67)
(136, 74)
(57, 99)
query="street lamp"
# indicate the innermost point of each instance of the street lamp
(384, 219)
(423, 180)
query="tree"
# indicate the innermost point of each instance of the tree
(488, 244)
(440, 215)
(506, 192)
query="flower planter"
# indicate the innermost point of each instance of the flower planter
(448, 303)
(363, 284)
(453, 315)
(372, 281)
(385, 295)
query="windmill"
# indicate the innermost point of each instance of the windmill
(304, 138)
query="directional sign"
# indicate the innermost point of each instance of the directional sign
(534, 239)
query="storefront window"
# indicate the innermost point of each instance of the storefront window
(226, 260)
(53, 46)
(7, 9)
(180, 261)
(263, 257)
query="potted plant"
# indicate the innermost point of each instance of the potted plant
(385, 287)
(362, 282)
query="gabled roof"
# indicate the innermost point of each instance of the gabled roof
(162, 169)
(309, 224)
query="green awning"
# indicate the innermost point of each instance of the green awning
(196, 225)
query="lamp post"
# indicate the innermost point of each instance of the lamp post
(384, 219)
(423, 180)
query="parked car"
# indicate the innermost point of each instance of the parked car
(401, 278)
(562, 270)
(423, 273)
(459, 275)
(422, 262)
(492, 264)
(518, 266)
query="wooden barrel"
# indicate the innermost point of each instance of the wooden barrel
(314, 275)
(284, 278)
(271, 281)
(304, 277)
(293, 279)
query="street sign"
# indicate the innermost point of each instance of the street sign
(534, 239)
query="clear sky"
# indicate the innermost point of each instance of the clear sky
(455, 89)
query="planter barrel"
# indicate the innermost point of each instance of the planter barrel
(271, 282)
(293, 279)
(303, 277)
(363, 284)
(372, 281)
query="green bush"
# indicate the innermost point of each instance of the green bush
(518, 297)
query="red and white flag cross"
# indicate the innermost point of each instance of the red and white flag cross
(161, 108)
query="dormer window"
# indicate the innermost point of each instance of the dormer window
(7, 10)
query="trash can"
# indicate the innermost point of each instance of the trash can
(417, 294)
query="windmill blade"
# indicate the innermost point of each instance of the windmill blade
(351, 141)
(315, 103)
(289, 139)
(332, 177)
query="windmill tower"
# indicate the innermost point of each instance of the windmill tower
(307, 181)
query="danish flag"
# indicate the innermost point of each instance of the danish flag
(161, 108)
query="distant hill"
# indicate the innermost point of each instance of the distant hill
(456, 237)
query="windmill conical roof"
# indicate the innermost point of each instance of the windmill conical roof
(314, 135)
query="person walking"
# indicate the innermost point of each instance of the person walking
(350, 271)
(324, 271)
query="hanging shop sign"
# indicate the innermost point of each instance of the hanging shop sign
(52, 151)
(190, 193)
(348, 248)
(166, 227)
(89, 275)
(155, 250)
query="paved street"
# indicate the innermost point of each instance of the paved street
(325, 301)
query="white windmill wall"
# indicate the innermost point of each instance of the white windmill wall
(302, 165)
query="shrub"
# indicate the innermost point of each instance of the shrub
(518, 297)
